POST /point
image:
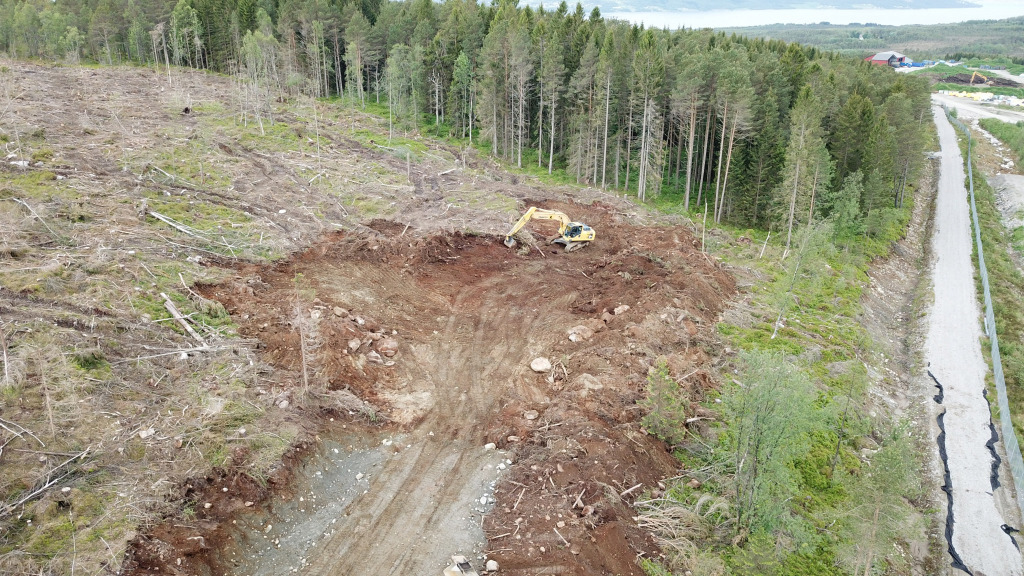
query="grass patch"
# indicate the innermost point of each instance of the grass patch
(1007, 287)
(1010, 134)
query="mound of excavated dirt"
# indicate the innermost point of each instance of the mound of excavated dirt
(993, 80)
(437, 334)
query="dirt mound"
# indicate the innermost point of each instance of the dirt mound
(993, 80)
(435, 334)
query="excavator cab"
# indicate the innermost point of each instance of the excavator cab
(572, 235)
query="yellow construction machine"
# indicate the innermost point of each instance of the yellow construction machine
(572, 235)
(979, 75)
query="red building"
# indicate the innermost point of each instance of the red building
(894, 59)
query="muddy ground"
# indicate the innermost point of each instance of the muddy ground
(993, 80)
(437, 333)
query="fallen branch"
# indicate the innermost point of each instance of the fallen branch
(38, 217)
(567, 545)
(449, 171)
(176, 225)
(630, 490)
(518, 499)
(5, 423)
(50, 482)
(181, 319)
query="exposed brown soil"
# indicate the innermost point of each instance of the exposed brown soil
(468, 315)
(993, 80)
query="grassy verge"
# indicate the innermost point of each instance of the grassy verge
(1010, 134)
(1006, 281)
(805, 323)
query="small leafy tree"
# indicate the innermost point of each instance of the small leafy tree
(666, 404)
(881, 489)
(771, 414)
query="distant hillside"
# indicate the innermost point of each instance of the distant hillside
(679, 5)
(983, 37)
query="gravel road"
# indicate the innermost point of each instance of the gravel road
(954, 357)
(968, 109)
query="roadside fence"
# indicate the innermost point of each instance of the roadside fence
(1013, 455)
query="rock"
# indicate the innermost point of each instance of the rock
(483, 500)
(146, 433)
(387, 347)
(621, 309)
(207, 505)
(594, 324)
(354, 344)
(374, 357)
(340, 312)
(589, 382)
(587, 510)
(283, 404)
(248, 503)
(695, 484)
(634, 331)
(531, 414)
(489, 446)
(359, 476)
(65, 490)
(513, 438)
(606, 317)
(315, 314)
(580, 333)
(560, 524)
(491, 566)
(540, 365)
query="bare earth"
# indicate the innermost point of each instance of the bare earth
(954, 357)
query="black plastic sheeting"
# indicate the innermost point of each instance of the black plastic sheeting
(991, 445)
(947, 485)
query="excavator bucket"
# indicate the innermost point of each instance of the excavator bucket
(510, 241)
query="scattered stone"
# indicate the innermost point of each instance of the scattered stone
(606, 317)
(489, 446)
(359, 476)
(249, 503)
(540, 365)
(580, 333)
(587, 510)
(207, 505)
(491, 566)
(388, 347)
(513, 438)
(283, 404)
(354, 344)
(560, 524)
(65, 490)
(360, 321)
(374, 357)
(695, 484)
(594, 324)
(621, 309)
(340, 312)
(531, 414)
(483, 500)
(146, 433)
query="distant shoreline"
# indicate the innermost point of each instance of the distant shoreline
(747, 18)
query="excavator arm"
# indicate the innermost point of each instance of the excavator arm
(572, 235)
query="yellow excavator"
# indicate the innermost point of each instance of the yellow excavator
(979, 75)
(572, 235)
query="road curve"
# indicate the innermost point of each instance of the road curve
(954, 356)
